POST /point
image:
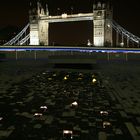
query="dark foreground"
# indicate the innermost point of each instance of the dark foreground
(44, 103)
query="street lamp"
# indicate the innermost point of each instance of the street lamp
(89, 43)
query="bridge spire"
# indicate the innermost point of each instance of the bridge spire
(47, 10)
(39, 28)
(33, 19)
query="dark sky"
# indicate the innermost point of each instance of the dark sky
(126, 13)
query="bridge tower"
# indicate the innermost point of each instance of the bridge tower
(34, 29)
(39, 29)
(102, 27)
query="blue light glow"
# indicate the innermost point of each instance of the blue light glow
(71, 49)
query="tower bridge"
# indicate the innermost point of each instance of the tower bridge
(102, 28)
(106, 32)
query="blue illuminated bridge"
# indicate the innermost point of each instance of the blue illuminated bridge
(70, 49)
(61, 54)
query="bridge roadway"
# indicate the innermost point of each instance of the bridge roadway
(68, 18)
(70, 49)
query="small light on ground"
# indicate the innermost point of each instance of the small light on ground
(44, 107)
(79, 78)
(67, 132)
(49, 79)
(94, 80)
(54, 75)
(106, 124)
(38, 114)
(65, 78)
(74, 104)
(104, 113)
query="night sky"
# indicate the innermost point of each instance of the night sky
(15, 12)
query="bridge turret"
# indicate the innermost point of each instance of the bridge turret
(39, 28)
(102, 27)
(34, 30)
(99, 5)
(41, 9)
(43, 26)
(47, 10)
(103, 6)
